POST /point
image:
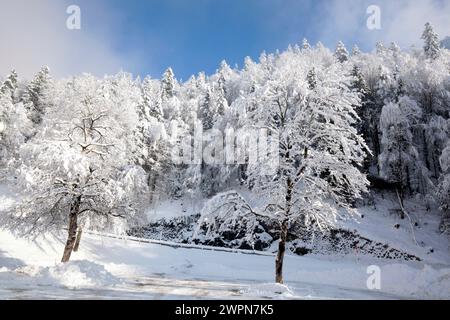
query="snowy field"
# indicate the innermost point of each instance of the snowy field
(106, 268)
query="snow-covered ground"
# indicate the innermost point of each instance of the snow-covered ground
(106, 268)
(378, 223)
(112, 268)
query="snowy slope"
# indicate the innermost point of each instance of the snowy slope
(379, 221)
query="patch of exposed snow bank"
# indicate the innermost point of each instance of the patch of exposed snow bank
(74, 274)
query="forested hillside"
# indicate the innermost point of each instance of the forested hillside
(95, 153)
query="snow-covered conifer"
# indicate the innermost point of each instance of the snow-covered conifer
(431, 39)
(36, 96)
(305, 44)
(341, 52)
(168, 84)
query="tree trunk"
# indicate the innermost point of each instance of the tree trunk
(425, 150)
(72, 232)
(154, 179)
(284, 226)
(280, 254)
(376, 146)
(77, 242)
(400, 200)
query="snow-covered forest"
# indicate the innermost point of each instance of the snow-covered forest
(343, 129)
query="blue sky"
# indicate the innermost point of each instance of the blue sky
(146, 36)
(196, 35)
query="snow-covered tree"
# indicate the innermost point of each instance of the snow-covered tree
(355, 50)
(319, 149)
(341, 52)
(305, 44)
(207, 109)
(151, 99)
(76, 170)
(437, 133)
(431, 39)
(36, 97)
(14, 124)
(151, 141)
(153, 125)
(224, 81)
(399, 157)
(10, 85)
(380, 48)
(224, 212)
(312, 79)
(168, 84)
(443, 194)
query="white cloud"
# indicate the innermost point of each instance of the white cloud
(405, 21)
(34, 33)
(402, 21)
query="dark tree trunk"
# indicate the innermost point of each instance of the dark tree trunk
(287, 210)
(280, 254)
(408, 181)
(77, 241)
(400, 172)
(425, 150)
(154, 179)
(72, 232)
(400, 200)
(376, 146)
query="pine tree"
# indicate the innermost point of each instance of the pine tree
(341, 52)
(311, 78)
(224, 73)
(395, 49)
(431, 46)
(359, 83)
(220, 102)
(356, 51)
(305, 44)
(36, 95)
(380, 49)
(151, 100)
(360, 86)
(14, 125)
(9, 86)
(168, 84)
(207, 110)
(6, 110)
